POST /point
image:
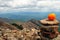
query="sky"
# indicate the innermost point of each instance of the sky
(29, 6)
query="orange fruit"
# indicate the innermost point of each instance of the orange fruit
(51, 16)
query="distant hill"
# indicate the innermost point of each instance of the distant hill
(25, 16)
(5, 20)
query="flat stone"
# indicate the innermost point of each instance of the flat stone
(46, 21)
(55, 26)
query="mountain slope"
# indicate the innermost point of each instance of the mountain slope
(4, 24)
(32, 24)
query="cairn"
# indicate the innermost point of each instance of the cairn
(49, 28)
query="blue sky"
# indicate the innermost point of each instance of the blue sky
(29, 5)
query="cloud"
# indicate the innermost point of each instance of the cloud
(49, 0)
(49, 6)
(29, 5)
(20, 3)
(17, 4)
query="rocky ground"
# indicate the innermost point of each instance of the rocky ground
(25, 34)
(30, 31)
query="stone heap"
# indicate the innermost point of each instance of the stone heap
(49, 29)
